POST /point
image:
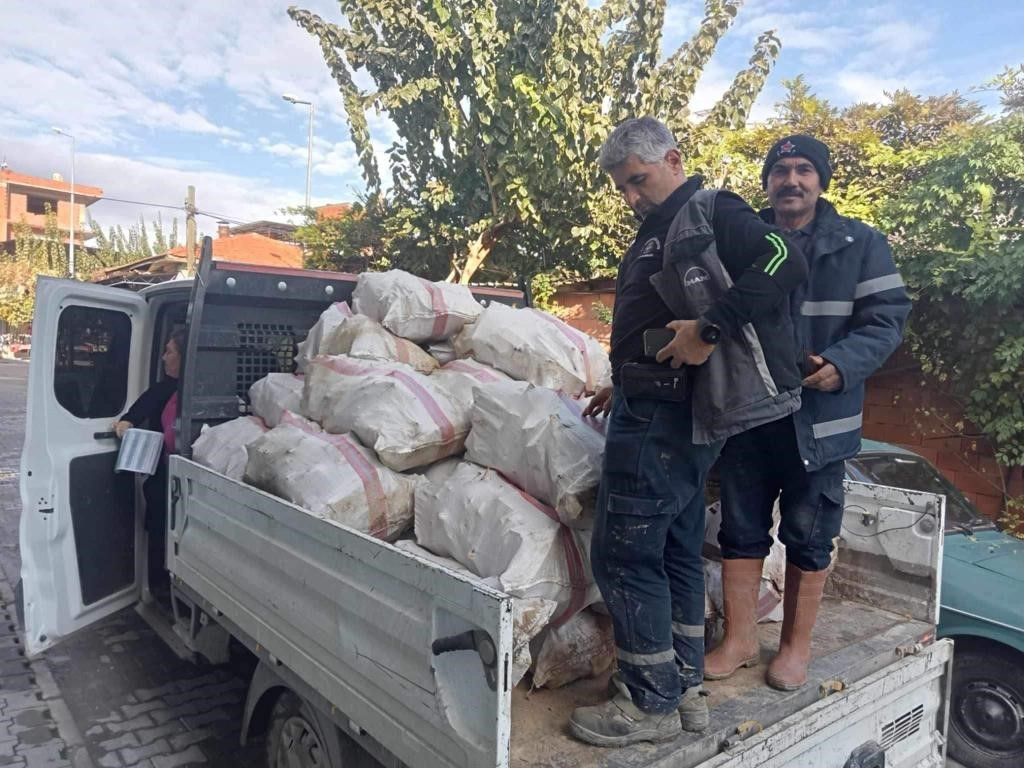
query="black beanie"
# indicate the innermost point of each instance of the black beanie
(799, 145)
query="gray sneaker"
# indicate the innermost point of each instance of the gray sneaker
(693, 709)
(619, 722)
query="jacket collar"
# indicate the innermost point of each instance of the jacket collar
(662, 216)
(832, 232)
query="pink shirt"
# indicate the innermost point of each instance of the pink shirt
(167, 422)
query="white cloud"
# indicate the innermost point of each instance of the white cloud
(157, 181)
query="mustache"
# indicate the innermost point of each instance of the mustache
(789, 191)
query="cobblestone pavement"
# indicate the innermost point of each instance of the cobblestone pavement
(111, 696)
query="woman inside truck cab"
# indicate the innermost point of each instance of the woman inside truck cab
(156, 409)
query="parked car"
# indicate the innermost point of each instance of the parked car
(21, 347)
(981, 610)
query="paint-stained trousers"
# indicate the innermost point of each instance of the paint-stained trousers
(646, 549)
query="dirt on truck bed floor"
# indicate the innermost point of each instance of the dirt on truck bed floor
(539, 718)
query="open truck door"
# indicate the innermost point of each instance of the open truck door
(78, 533)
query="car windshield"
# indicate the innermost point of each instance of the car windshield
(914, 473)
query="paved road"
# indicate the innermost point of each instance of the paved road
(112, 696)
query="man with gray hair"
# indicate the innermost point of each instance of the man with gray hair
(718, 278)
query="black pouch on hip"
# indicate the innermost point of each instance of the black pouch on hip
(656, 382)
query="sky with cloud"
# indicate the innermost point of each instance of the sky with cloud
(160, 95)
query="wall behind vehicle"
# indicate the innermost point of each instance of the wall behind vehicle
(902, 407)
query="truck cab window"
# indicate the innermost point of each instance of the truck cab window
(90, 377)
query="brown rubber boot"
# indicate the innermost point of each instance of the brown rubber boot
(788, 670)
(741, 583)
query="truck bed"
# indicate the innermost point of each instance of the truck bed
(355, 618)
(851, 641)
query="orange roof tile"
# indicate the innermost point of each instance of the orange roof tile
(333, 211)
(251, 248)
(41, 183)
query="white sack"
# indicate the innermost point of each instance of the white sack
(540, 441)
(413, 307)
(580, 648)
(496, 530)
(274, 394)
(330, 318)
(407, 419)
(327, 372)
(460, 380)
(529, 616)
(534, 346)
(333, 477)
(222, 448)
(363, 338)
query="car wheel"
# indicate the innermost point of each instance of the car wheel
(293, 738)
(987, 708)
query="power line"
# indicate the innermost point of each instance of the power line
(139, 202)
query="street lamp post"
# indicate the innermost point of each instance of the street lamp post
(309, 144)
(71, 245)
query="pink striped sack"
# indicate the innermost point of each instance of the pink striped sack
(498, 531)
(363, 338)
(530, 345)
(222, 448)
(332, 477)
(407, 419)
(415, 308)
(332, 317)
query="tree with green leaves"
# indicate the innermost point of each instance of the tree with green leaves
(500, 108)
(117, 246)
(33, 256)
(957, 228)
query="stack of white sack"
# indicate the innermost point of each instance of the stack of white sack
(408, 420)
(460, 379)
(499, 531)
(529, 616)
(413, 307)
(333, 477)
(330, 318)
(534, 346)
(222, 448)
(365, 339)
(582, 647)
(539, 440)
(274, 394)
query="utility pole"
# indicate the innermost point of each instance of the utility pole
(190, 231)
(71, 223)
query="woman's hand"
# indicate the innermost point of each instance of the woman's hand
(120, 427)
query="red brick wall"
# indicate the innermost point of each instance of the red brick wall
(578, 309)
(901, 407)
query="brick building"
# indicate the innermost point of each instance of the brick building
(24, 198)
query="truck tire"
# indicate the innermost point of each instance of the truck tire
(295, 737)
(987, 707)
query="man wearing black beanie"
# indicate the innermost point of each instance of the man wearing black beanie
(848, 318)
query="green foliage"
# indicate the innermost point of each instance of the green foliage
(117, 246)
(501, 106)
(958, 233)
(33, 256)
(353, 242)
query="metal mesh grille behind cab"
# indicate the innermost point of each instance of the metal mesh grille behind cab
(902, 727)
(262, 348)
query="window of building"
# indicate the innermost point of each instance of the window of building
(90, 377)
(38, 205)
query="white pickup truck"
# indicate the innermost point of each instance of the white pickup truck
(368, 654)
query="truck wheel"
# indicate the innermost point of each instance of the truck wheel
(294, 738)
(987, 708)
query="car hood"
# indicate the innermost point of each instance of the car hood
(991, 550)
